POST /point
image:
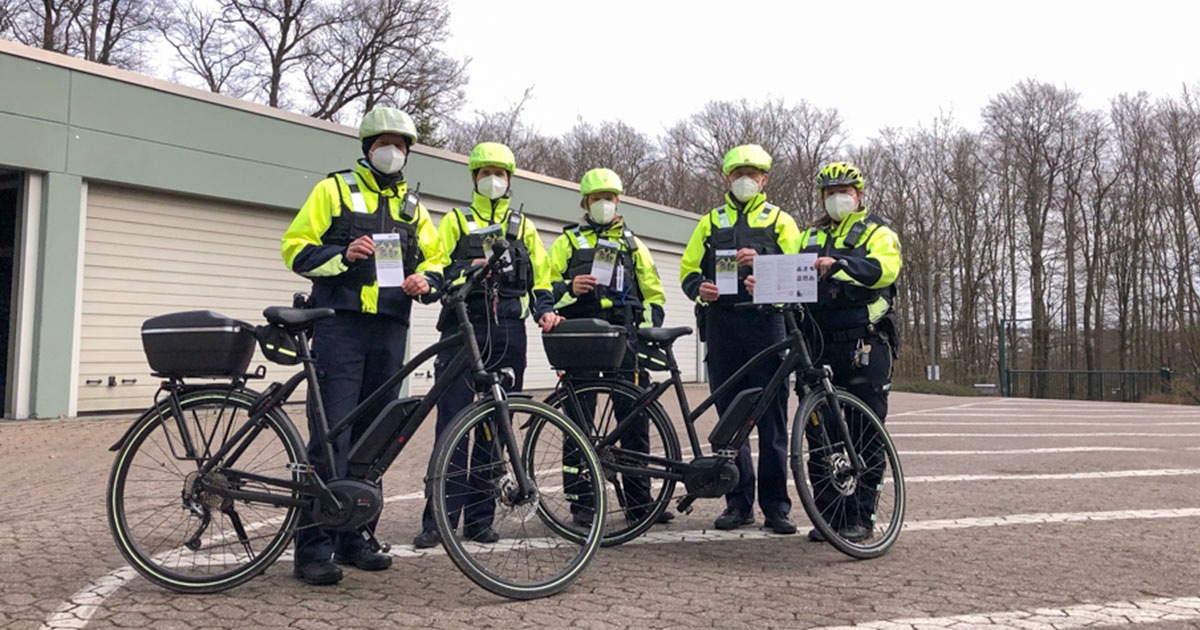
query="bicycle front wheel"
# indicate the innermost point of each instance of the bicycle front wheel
(503, 544)
(858, 513)
(639, 491)
(172, 523)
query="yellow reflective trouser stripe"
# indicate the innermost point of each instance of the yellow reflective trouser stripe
(370, 298)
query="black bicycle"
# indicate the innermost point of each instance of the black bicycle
(208, 483)
(846, 467)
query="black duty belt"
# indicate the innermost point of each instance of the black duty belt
(851, 334)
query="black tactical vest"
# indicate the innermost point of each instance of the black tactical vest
(741, 234)
(355, 221)
(839, 295)
(470, 246)
(583, 254)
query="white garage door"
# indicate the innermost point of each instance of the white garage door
(151, 253)
(146, 254)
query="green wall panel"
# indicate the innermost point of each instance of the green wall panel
(29, 143)
(34, 89)
(113, 158)
(108, 105)
(54, 329)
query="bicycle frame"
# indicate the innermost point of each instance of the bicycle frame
(797, 359)
(468, 358)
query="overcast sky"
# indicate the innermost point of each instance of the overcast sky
(651, 63)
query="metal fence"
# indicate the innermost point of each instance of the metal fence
(1110, 385)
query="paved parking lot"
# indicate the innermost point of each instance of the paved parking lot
(1021, 514)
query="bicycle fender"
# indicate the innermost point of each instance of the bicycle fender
(129, 430)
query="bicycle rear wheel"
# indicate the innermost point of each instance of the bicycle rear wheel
(859, 514)
(168, 521)
(637, 496)
(473, 480)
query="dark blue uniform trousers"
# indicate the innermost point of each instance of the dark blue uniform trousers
(355, 354)
(502, 345)
(734, 337)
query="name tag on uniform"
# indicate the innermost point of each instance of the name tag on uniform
(389, 259)
(727, 272)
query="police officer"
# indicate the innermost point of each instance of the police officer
(858, 259)
(497, 311)
(330, 242)
(632, 297)
(718, 259)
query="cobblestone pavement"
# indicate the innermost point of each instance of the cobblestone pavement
(1022, 514)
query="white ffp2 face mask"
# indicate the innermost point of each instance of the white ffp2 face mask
(744, 188)
(388, 159)
(492, 186)
(840, 205)
(602, 211)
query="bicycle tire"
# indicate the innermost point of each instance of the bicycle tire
(188, 541)
(634, 501)
(529, 560)
(836, 499)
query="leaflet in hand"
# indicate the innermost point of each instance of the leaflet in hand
(604, 262)
(727, 271)
(488, 234)
(785, 278)
(389, 260)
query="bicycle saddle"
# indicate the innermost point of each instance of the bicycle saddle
(295, 318)
(663, 335)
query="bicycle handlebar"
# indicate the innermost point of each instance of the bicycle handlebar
(476, 272)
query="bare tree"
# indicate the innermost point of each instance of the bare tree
(383, 52)
(534, 151)
(8, 11)
(1037, 123)
(278, 29)
(614, 145)
(112, 32)
(798, 139)
(209, 47)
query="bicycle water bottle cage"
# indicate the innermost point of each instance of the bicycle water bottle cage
(735, 424)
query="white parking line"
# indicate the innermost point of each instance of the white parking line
(1109, 474)
(1002, 419)
(1037, 451)
(76, 612)
(1159, 610)
(898, 434)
